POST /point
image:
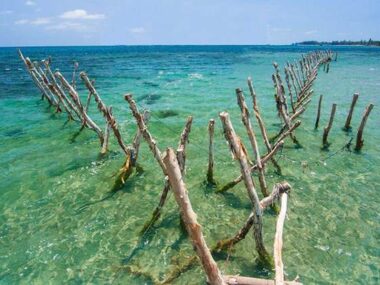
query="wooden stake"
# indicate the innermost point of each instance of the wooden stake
(75, 97)
(73, 83)
(359, 137)
(38, 81)
(252, 138)
(107, 115)
(137, 138)
(145, 133)
(281, 103)
(319, 111)
(184, 140)
(289, 88)
(59, 91)
(210, 170)
(106, 138)
(328, 127)
(279, 266)
(242, 280)
(45, 82)
(349, 116)
(278, 189)
(261, 123)
(236, 147)
(181, 157)
(268, 156)
(214, 277)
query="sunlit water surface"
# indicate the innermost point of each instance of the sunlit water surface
(332, 232)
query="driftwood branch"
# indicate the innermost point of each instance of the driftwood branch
(261, 123)
(194, 230)
(145, 133)
(107, 130)
(359, 137)
(278, 189)
(75, 97)
(137, 138)
(328, 127)
(267, 157)
(210, 169)
(347, 125)
(242, 280)
(252, 138)
(181, 154)
(319, 111)
(236, 147)
(279, 266)
(105, 112)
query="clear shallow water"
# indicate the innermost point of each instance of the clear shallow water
(331, 236)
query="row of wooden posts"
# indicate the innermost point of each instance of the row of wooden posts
(347, 126)
(299, 77)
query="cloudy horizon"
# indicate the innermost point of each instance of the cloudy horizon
(117, 22)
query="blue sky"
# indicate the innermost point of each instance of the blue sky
(84, 22)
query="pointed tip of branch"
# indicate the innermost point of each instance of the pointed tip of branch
(284, 187)
(128, 97)
(223, 114)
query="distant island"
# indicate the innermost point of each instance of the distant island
(370, 42)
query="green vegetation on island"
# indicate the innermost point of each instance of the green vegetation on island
(370, 42)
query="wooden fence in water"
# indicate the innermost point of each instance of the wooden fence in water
(299, 76)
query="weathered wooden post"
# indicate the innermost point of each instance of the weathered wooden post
(106, 138)
(210, 169)
(289, 88)
(145, 133)
(237, 148)
(328, 127)
(181, 157)
(252, 138)
(137, 138)
(54, 86)
(87, 121)
(359, 137)
(214, 277)
(349, 116)
(319, 111)
(277, 247)
(260, 121)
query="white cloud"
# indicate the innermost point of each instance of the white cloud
(312, 32)
(40, 21)
(81, 14)
(22, 22)
(137, 30)
(67, 26)
(281, 30)
(30, 3)
(36, 22)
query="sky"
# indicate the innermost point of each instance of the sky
(143, 22)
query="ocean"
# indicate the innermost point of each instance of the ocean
(59, 223)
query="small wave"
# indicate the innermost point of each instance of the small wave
(7, 69)
(322, 247)
(195, 76)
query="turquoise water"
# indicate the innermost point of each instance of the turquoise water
(332, 231)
